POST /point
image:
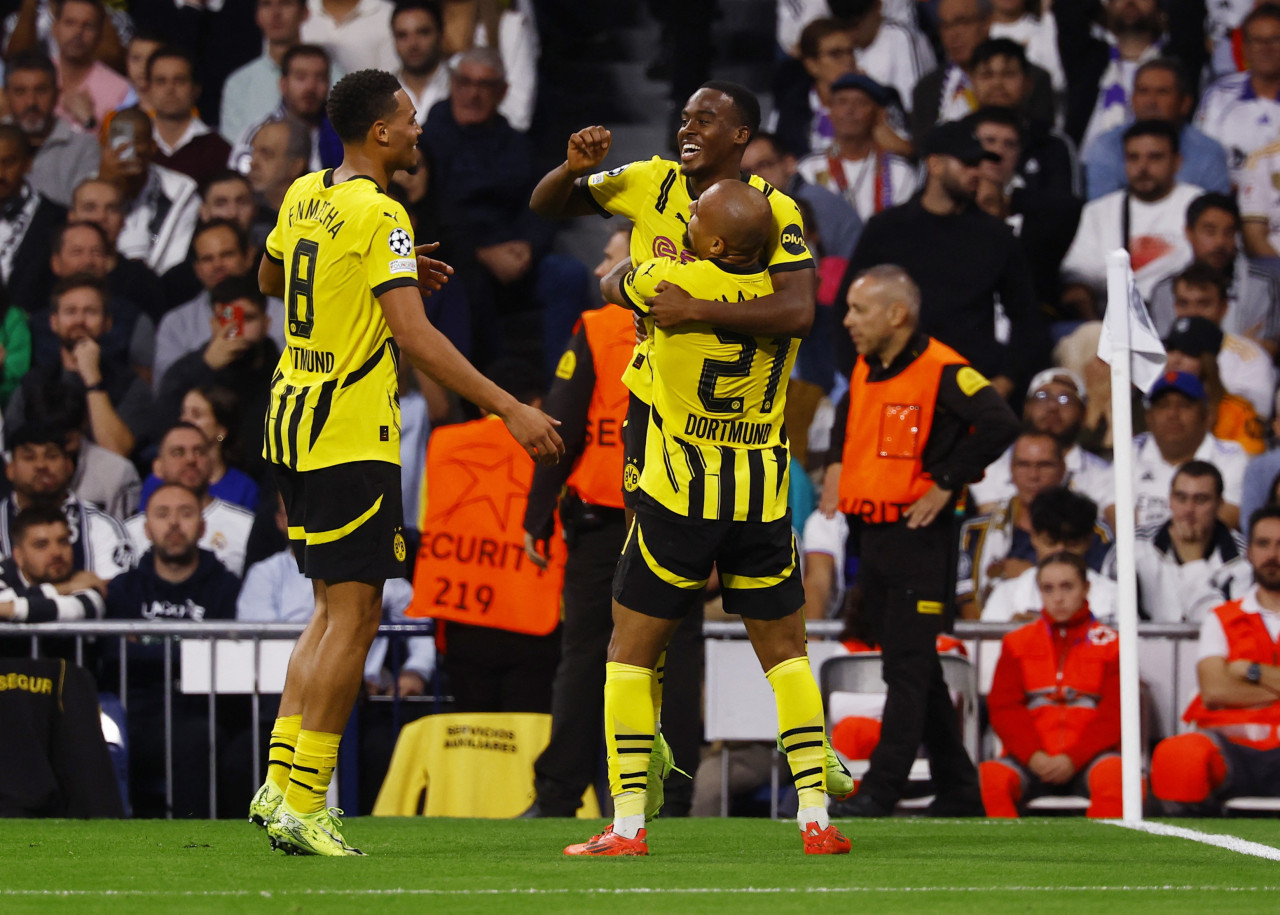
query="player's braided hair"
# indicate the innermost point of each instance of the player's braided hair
(359, 99)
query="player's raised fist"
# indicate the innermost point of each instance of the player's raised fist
(587, 149)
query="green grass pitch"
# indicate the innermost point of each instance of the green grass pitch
(739, 865)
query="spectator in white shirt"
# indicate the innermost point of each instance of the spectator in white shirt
(1178, 419)
(356, 33)
(183, 459)
(160, 204)
(824, 541)
(1241, 110)
(1055, 405)
(1146, 218)
(423, 73)
(888, 51)
(1060, 520)
(1176, 561)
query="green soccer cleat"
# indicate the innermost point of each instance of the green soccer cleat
(264, 803)
(839, 782)
(662, 762)
(308, 834)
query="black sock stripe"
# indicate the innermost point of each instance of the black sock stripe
(639, 785)
(282, 746)
(815, 729)
(633, 737)
(305, 769)
(801, 746)
(806, 773)
(807, 787)
(635, 750)
(278, 762)
(294, 781)
(644, 774)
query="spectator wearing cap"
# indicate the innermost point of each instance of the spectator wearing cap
(1055, 404)
(1244, 366)
(1193, 346)
(964, 261)
(998, 545)
(1177, 560)
(1178, 423)
(1003, 78)
(856, 164)
(1161, 92)
(1253, 293)
(1145, 218)
(1043, 218)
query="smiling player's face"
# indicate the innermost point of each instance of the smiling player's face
(403, 131)
(710, 134)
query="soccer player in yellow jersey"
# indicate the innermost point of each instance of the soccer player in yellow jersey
(713, 493)
(342, 257)
(657, 195)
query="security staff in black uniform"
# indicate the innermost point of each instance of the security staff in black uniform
(919, 423)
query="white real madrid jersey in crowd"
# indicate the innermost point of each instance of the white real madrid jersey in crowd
(1233, 114)
(226, 533)
(1153, 475)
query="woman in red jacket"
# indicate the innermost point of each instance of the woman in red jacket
(1055, 702)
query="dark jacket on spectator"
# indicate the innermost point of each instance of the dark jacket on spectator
(30, 280)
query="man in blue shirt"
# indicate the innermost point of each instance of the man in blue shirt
(1160, 92)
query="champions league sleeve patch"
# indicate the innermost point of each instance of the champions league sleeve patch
(400, 242)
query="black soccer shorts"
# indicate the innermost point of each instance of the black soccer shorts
(346, 522)
(668, 558)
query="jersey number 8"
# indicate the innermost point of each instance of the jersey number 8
(301, 294)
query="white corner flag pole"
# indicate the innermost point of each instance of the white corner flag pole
(1126, 573)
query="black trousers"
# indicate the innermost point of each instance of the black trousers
(907, 580)
(572, 758)
(492, 670)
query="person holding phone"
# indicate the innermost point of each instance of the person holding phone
(239, 355)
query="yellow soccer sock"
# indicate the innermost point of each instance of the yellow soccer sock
(628, 730)
(284, 742)
(802, 729)
(313, 765)
(655, 691)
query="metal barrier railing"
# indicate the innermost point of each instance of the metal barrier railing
(127, 632)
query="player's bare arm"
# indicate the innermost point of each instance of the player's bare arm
(431, 351)
(432, 274)
(554, 196)
(271, 277)
(788, 311)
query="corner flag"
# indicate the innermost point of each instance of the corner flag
(1130, 344)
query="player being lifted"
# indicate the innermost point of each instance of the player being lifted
(657, 195)
(713, 492)
(342, 257)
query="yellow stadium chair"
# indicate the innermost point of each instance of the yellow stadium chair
(468, 765)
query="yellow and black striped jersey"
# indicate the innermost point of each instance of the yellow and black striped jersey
(333, 397)
(716, 447)
(655, 197)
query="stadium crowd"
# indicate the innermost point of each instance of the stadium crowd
(145, 151)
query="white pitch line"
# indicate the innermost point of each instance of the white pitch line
(1231, 843)
(646, 891)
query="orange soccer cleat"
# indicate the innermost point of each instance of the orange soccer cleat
(607, 843)
(827, 841)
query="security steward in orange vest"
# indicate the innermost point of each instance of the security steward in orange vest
(1055, 702)
(919, 424)
(589, 398)
(498, 612)
(1235, 749)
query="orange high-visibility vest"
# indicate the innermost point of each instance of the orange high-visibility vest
(887, 427)
(472, 567)
(1062, 705)
(1247, 640)
(597, 477)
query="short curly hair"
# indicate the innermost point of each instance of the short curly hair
(359, 99)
